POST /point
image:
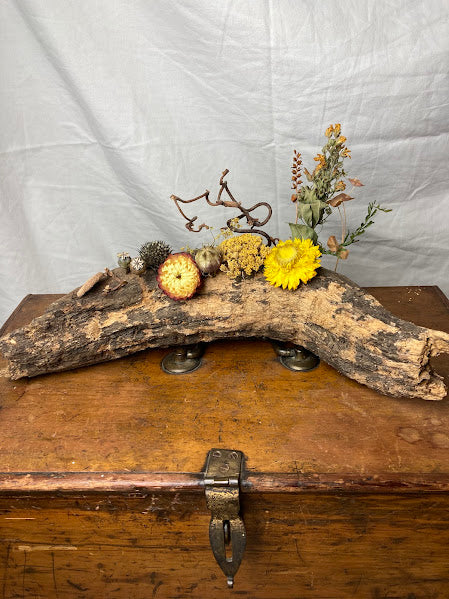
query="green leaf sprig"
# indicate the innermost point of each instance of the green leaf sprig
(316, 201)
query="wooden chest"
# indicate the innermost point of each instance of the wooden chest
(344, 492)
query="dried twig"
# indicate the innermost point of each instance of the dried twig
(231, 203)
(101, 276)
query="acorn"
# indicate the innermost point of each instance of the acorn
(154, 253)
(208, 259)
(137, 266)
(123, 260)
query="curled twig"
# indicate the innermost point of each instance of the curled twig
(253, 222)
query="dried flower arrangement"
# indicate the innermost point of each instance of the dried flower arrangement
(240, 252)
(237, 300)
(314, 202)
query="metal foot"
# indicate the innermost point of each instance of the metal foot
(297, 358)
(184, 359)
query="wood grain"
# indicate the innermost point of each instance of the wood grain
(127, 415)
(345, 491)
(310, 546)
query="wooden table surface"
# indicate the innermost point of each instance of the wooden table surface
(128, 417)
(124, 430)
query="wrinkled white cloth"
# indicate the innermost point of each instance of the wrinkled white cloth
(107, 107)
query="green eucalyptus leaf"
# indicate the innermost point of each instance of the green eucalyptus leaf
(305, 213)
(309, 195)
(303, 232)
(311, 212)
(317, 212)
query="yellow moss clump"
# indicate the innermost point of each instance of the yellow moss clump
(242, 255)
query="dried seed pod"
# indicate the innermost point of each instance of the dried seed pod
(208, 259)
(137, 266)
(123, 260)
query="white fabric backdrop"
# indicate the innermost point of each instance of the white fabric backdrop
(107, 107)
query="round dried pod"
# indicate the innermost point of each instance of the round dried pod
(137, 266)
(123, 260)
(153, 253)
(208, 259)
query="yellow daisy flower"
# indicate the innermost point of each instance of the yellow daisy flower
(291, 262)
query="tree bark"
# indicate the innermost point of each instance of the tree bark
(331, 316)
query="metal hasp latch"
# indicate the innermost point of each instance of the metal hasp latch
(226, 529)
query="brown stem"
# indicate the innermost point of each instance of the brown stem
(231, 203)
(343, 234)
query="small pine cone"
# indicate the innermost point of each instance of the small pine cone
(154, 253)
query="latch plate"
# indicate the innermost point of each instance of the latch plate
(226, 529)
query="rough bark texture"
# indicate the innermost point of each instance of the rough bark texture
(331, 316)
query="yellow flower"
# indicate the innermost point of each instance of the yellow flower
(341, 186)
(242, 255)
(337, 129)
(341, 139)
(179, 276)
(329, 131)
(322, 162)
(291, 262)
(346, 153)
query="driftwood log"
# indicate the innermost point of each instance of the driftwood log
(331, 316)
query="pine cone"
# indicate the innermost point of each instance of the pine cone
(153, 253)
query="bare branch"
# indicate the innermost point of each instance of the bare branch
(252, 222)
